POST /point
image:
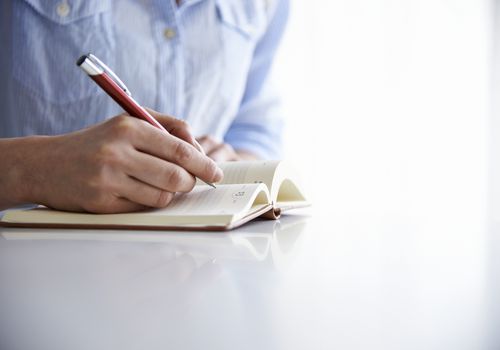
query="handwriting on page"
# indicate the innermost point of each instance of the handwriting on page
(204, 200)
(238, 195)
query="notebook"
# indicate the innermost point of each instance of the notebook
(250, 189)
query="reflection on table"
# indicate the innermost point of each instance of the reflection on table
(128, 290)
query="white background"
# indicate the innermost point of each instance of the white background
(393, 117)
(387, 101)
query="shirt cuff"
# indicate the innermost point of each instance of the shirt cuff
(263, 146)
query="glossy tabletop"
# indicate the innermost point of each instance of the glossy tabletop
(312, 280)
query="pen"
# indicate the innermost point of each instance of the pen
(103, 76)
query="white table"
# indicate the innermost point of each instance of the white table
(313, 280)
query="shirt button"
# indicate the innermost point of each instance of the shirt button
(169, 33)
(63, 9)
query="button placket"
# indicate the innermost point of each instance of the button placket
(169, 33)
(63, 9)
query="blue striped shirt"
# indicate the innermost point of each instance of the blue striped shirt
(205, 61)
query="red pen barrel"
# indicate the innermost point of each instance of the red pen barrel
(124, 100)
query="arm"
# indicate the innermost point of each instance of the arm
(257, 128)
(123, 164)
(15, 155)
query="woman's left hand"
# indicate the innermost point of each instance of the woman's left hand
(223, 152)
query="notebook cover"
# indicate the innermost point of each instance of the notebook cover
(231, 226)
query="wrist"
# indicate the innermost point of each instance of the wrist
(22, 159)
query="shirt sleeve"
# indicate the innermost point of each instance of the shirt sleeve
(258, 125)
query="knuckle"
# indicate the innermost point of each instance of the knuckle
(105, 152)
(96, 186)
(119, 119)
(182, 152)
(123, 126)
(182, 124)
(108, 155)
(174, 179)
(211, 170)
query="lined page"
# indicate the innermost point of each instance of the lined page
(205, 200)
(204, 205)
(249, 172)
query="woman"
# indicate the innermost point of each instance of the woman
(206, 62)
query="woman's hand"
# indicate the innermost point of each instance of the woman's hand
(222, 152)
(123, 164)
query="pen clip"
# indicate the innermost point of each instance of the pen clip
(111, 74)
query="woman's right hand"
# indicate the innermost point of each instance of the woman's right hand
(121, 165)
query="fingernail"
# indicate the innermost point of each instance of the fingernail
(220, 174)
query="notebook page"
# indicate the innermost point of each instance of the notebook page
(205, 200)
(249, 172)
(204, 205)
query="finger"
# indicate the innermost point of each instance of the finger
(222, 153)
(159, 173)
(176, 127)
(172, 149)
(208, 143)
(144, 194)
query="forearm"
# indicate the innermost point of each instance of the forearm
(18, 163)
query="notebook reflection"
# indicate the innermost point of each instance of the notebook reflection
(116, 285)
(262, 240)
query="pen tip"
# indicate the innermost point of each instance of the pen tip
(209, 184)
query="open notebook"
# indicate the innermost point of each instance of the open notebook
(249, 190)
